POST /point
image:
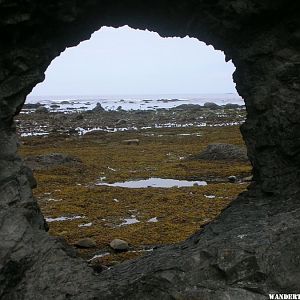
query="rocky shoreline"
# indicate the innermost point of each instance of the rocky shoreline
(79, 158)
(39, 120)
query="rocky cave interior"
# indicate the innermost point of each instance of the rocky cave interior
(263, 41)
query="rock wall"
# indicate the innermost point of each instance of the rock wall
(252, 249)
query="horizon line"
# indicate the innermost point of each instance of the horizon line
(132, 94)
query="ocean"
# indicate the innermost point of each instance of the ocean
(132, 102)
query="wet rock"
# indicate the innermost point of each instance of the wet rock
(232, 179)
(98, 108)
(55, 106)
(40, 162)
(211, 105)
(131, 142)
(223, 152)
(32, 105)
(42, 110)
(86, 243)
(119, 245)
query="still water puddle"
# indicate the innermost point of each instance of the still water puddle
(154, 182)
(153, 220)
(129, 221)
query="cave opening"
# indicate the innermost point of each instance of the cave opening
(252, 249)
(134, 136)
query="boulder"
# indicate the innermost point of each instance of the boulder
(119, 245)
(223, 152)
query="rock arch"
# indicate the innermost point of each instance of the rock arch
(252, 249)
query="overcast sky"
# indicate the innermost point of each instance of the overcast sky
(125, 61)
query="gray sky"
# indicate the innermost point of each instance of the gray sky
(126, 61)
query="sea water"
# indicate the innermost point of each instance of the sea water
(133, 102)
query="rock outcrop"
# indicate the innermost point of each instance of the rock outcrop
(253, 248)
(98, 108)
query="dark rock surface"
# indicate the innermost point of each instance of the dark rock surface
(231, 106)
(252, 249)
(188, 107)
(223, 152)
(71, 123)
(98, 108)
(32, 105)
(97, 265)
